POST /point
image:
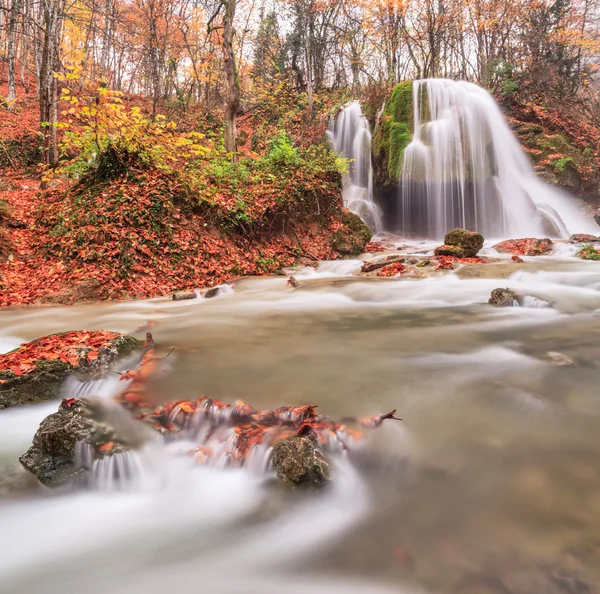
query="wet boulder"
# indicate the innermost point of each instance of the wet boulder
(300, 461)
(449, 250)
(68, 441)
(597, 216)
(36, 370)
(504, 298)
(527, 246)
(352, 237)
(583, 238)
(469, 242)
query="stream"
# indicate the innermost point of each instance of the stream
(491, 484)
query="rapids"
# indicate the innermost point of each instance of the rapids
(494, 473)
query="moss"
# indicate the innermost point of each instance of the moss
(561, 164)
(394, 132)
(353, 236)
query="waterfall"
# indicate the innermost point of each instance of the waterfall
(465, 168)
(350, 136)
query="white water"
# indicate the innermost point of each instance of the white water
(499, 439)
(465, 168)
(350, 136)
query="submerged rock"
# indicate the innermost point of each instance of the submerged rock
(46, 366)
(53, 456)
(470, 242)
(527, 246)
(300, 461)
(504, 298)
(510, 298)
(352, 237)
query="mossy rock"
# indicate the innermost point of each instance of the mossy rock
(52, 458)
(392, 135)
(449, 250)
(44, 382)
(469, 242)
(299, 461)
(353, 236)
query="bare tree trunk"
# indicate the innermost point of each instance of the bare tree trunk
(232, 102)
(48, 91)
(106, 38)
(12, 27)
(308, 58)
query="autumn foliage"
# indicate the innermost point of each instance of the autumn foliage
(70, 347)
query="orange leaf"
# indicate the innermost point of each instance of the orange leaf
(187, 407)
(106, 447)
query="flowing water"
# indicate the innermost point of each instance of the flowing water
(464, 168)
(491, 484)
(350, 135)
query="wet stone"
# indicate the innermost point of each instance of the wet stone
(300, 461)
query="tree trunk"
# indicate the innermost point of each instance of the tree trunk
(308, 58)
(12, 27)
(232, 102)
(48, 90)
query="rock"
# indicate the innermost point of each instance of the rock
(53, 458)
(528, 246)
(183, 295)
(597, 216)
(213, 292)
(300, 461)
(509, 298)
(469, 241)
(352, 237)
(449, 250)
(292, 282)
(583, 238)
(504, 298)
(45, 380)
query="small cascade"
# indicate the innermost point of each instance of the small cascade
(350, 136)
(465, 168)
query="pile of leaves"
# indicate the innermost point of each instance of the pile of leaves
(231, 433)
(473, 260)
(528, 246)
(445, 263)
(395, 269)
(374, 247)
(73, 348)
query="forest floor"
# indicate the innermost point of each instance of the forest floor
(136, 237)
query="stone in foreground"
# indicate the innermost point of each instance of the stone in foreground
(504, 298)
(43, 374)
(469, 242)
(52, 458)
(300, 461)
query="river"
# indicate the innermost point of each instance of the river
(491, 484)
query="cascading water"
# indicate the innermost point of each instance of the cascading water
(350, 136)
(465, 168)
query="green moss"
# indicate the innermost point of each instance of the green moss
(400, 138)
(561, 164)
(353, 236)
(400, 105)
